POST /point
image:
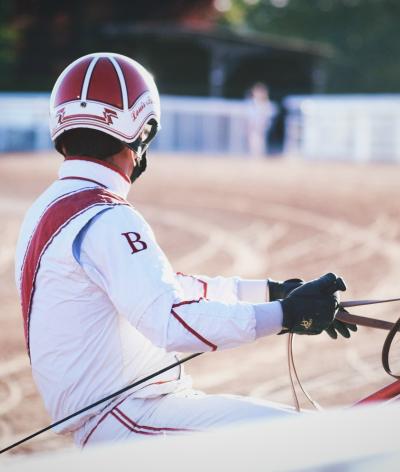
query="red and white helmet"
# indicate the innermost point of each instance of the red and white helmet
(107, 92)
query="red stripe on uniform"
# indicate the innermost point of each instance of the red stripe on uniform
(86, 439)
(151, 428)
(202, 282)
(49, 205)
(187, 302)
(127, 425)
(205, 287)
(54, 219)
(188, 327)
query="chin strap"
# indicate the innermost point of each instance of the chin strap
(140, 146)
(140, 167)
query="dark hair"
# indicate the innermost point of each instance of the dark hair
(88, 142)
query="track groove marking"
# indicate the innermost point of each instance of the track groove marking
(13, 398)
(245, 258)
(339, 229)
(14, 365)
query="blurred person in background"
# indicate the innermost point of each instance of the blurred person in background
(102, 306)
(259, 118)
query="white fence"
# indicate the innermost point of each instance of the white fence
(188, 124)
(352, 127)
(203, 125)
(344, 127)
(24, 122)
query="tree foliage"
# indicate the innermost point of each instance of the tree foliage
(8, 43)
(363, 33)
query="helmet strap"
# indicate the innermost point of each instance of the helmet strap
(140, 167)
(139, 146)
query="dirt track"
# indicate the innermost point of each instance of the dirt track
(279, 218)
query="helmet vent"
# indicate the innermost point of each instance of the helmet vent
(72, 84)
(104, 85)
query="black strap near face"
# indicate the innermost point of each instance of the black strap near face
(140, 147)
(140, 167)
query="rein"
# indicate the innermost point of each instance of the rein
(345, 316)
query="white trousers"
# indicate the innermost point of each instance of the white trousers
(182, 412)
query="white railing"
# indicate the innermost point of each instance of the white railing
(203, 125)
(24, 122)
(344, 127)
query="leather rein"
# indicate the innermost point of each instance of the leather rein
(345, 316)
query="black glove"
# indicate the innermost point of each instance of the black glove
(279, 290)
(312, 307)
(340, 327)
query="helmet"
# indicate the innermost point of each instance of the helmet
(110, 93)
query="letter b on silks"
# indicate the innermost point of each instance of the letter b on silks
(134, 241)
